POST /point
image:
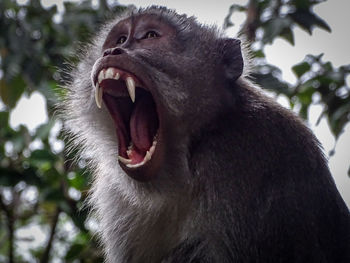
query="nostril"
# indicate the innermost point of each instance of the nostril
(107, 52)
(117, 51)
(113, 51)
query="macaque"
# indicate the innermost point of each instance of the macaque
(191, 161)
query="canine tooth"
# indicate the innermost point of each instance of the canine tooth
(151, 150)
(147, 157)
(98, 96)
(130, 84)
(116, 76)
(109, 73)
(124, 160)
(101, 76)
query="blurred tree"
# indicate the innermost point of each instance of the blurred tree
(39, 185)
(269, 19)
(35, 42)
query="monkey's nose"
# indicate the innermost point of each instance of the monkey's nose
(113, 51)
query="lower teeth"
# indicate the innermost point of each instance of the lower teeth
(146, 158)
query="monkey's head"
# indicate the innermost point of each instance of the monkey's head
(162, 78)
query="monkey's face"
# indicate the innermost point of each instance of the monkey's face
(124, 83)
(155, 81)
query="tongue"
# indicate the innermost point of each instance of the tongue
(143, 123)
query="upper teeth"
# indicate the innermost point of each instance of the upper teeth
(112, 73)
(130, 84)
(109, 73)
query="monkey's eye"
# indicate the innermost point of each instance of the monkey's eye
(121, 40)
(151, 34)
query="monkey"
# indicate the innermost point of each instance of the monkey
(192, 162)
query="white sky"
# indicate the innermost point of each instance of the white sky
(31, 111)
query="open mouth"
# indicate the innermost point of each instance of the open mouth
(134, 113)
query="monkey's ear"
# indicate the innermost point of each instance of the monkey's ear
(232, 58)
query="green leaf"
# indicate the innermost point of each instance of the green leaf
(42, 155)
(74, 252)
(321, 23)
(288, 35)
(306, 4)
(303, 112)
(4, 118)
(307, 20)
(79, 181)
(43, 131)
(21, 139)
(270, 82)
(258, 54)
(12, 91)
(305, 94)
(328, 66)
(50, 194)
(338, 116)
(275, 27)
(9, 177)
(301, 69)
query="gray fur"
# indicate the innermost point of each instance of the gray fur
(236, 184)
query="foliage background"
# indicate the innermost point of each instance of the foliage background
(41, 190)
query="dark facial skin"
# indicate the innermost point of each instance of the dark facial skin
(145, 32)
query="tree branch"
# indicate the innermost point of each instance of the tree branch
(250, 25)
(46, 255)
(10, 228)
